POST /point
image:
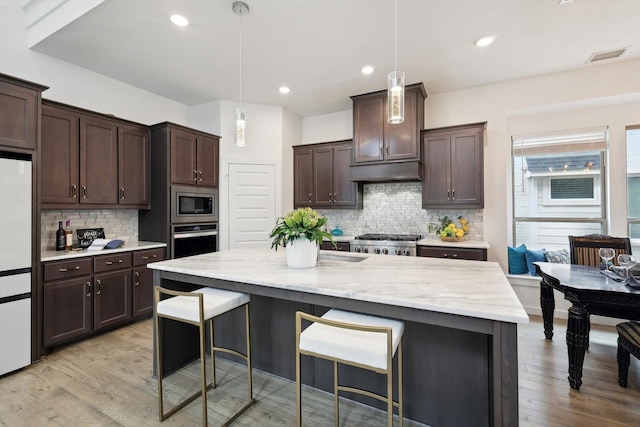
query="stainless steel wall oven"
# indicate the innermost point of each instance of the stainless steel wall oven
(194, 239)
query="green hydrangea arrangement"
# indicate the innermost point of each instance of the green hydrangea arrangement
(302, 222)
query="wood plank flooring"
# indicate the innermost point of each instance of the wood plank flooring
(106, 381)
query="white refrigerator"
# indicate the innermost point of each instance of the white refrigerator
(15, 260)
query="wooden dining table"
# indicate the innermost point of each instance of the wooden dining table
(590, 292)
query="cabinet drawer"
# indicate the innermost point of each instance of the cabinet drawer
(112, 262)
(65, 269)
(454, 253)
(146, 256)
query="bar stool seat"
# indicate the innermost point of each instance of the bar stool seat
(360, 340)
(198, 308)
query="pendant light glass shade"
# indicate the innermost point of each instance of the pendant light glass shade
(240, 126)
(395, 97)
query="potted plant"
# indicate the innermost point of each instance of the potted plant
(301, 231)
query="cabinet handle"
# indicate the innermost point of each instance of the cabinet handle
(335, 197)
(121, 193)
(195, 175)
(74, 191)
(109, 262)
(386, 151)
(309, 197)
(137, 279)
(453, 194)
(84, 191)
(199, 175)
(445, 255)
(329, 196)
(448, 194)
(88, 289)
(455, 256)
(98, 287)
(64, 269)
(147, 256)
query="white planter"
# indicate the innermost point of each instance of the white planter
(302, 253)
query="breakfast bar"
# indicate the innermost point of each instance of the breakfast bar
(461, 317)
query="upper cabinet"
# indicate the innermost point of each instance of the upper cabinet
(19, 109)
(453, 167)
(194, 158)
(92, 161)
(374, 139)
(321, 176)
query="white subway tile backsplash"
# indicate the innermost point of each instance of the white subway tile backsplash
(397, 208)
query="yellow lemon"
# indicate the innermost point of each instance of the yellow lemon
(463, 221)
(465, 228)
(459, 233)
(452, 225)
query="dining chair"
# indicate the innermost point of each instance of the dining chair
(584, 249)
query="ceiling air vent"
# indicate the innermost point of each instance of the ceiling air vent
(609, 54)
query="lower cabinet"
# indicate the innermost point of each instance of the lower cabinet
(85, 295)
(473, 254)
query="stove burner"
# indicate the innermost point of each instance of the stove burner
(390, 237)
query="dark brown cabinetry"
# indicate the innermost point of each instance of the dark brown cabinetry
(142, 291)
(453, 167)
(374, 139)
(194, 158)
(87, 294)
(92, 161)
(474, 254)
(19, 110)
(326, 183)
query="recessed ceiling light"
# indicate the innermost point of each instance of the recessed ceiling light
(179, 20)
(284, 89)
(484, 41)
(367, 69)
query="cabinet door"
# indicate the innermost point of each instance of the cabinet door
(142, 293)
(344, 190)
(368, 128)
(323, 176)
(67, 309)
(18, 116)
(467, 171)
(59, 152)
(98, 161)
(133, 166)
(207, 161)
(112, 299)
(403, 138)
(183, 147)
(436, 186)
(302, 177)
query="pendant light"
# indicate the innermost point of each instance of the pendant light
(240, 8)
(395, 81)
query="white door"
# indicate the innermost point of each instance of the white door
(252, 204)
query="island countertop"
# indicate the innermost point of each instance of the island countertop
(467, 288)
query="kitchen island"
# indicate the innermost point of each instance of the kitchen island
(460, 342)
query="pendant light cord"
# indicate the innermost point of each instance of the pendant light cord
(240, 60)
(395, 33)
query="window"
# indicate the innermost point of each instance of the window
(558, 187)
(633, 186)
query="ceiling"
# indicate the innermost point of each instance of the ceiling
(318, 47)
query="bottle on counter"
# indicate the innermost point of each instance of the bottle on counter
(68, 237)
(61, 241)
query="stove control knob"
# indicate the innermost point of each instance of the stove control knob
(385, 251)
(398, 252)
(406, 252)
(357, 249)
(377, 250)
(366, 250)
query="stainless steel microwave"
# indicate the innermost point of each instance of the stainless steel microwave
(193, 205)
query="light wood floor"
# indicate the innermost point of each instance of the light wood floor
(106, 381)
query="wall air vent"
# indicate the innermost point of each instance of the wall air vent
(609, 54)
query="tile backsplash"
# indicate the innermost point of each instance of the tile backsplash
(396, 208)
(117, 224)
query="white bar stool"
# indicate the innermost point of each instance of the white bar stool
(197, 308)
(358, 340)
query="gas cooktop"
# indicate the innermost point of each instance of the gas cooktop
(390, 237)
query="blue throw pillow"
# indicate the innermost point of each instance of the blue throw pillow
(517, 259)
(534, 255)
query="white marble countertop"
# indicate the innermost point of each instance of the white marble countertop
(52, 255)
(469, 288)
(433, 241)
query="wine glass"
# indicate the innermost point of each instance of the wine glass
(607, 255)
(626, 261)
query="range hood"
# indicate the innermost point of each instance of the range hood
(387, 172)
